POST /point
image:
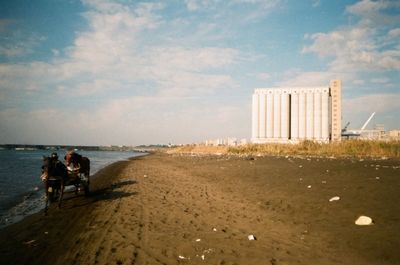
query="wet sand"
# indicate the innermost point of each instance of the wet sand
(172, 209)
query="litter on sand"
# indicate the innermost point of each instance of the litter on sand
(336, 198)
(364, 220)
(145, 176)
(309, 186)
(215, 229)
(30, 242)
(251, 237)
(198, 240)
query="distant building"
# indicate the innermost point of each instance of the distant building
(393, 135)
(377, 134)
(231, 141)
(294, 114)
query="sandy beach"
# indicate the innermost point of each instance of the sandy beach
(189, 209)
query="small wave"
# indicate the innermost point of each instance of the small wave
(32, 203)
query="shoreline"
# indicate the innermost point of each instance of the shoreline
(29, 233)
(181, 209)
(32, 201)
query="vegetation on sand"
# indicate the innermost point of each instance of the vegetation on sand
(349, 148)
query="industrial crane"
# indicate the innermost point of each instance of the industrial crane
(357, 132)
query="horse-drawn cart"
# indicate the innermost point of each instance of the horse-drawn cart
(78, 179)
(56, 176)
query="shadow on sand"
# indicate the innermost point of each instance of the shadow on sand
(72, 200)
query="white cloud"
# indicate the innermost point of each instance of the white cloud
(157, 87)
(259, 7)
(111, 55)
(358, 82)
(134, 120)
(18, 45)
(299, 78)
(360, 47)
(264, 76)
(394, 33)
(316, 3)
(357, 110)
(192, 5)
(367, 7)
(381, 80)
(374, 102)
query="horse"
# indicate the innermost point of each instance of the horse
(79, 164)
(54, 176)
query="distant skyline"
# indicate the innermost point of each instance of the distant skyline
(130, 72)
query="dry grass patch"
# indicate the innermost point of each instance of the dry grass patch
(350, 148)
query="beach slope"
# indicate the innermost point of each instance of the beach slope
(173, 209)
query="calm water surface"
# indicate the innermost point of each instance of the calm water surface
(21, 190)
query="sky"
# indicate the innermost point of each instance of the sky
(129, 72)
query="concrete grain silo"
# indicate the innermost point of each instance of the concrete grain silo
(296, 114)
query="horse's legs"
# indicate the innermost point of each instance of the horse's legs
(61, 194)
(87, 186)
(46, 186)
(87, 176)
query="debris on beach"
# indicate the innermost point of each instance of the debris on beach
(309, 186)
(300, 166)
(208, 250)
(198, 240)
(336, 198)
(364, 220)
(215, 229)
(182, 257)
(30, 242)
(377, 177)
(323, 182)
(300, 179)
(251, 237)
(145, 176)
(203, 257)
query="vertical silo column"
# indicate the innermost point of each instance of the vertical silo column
(285, 114)
(254, 131)
(270, 113)
(310, 114)
(325, 114)
(302, 114)
(277, 113)
(262, 109)
(317, 114)
(294, 116)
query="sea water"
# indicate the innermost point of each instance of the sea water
(22, 191)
